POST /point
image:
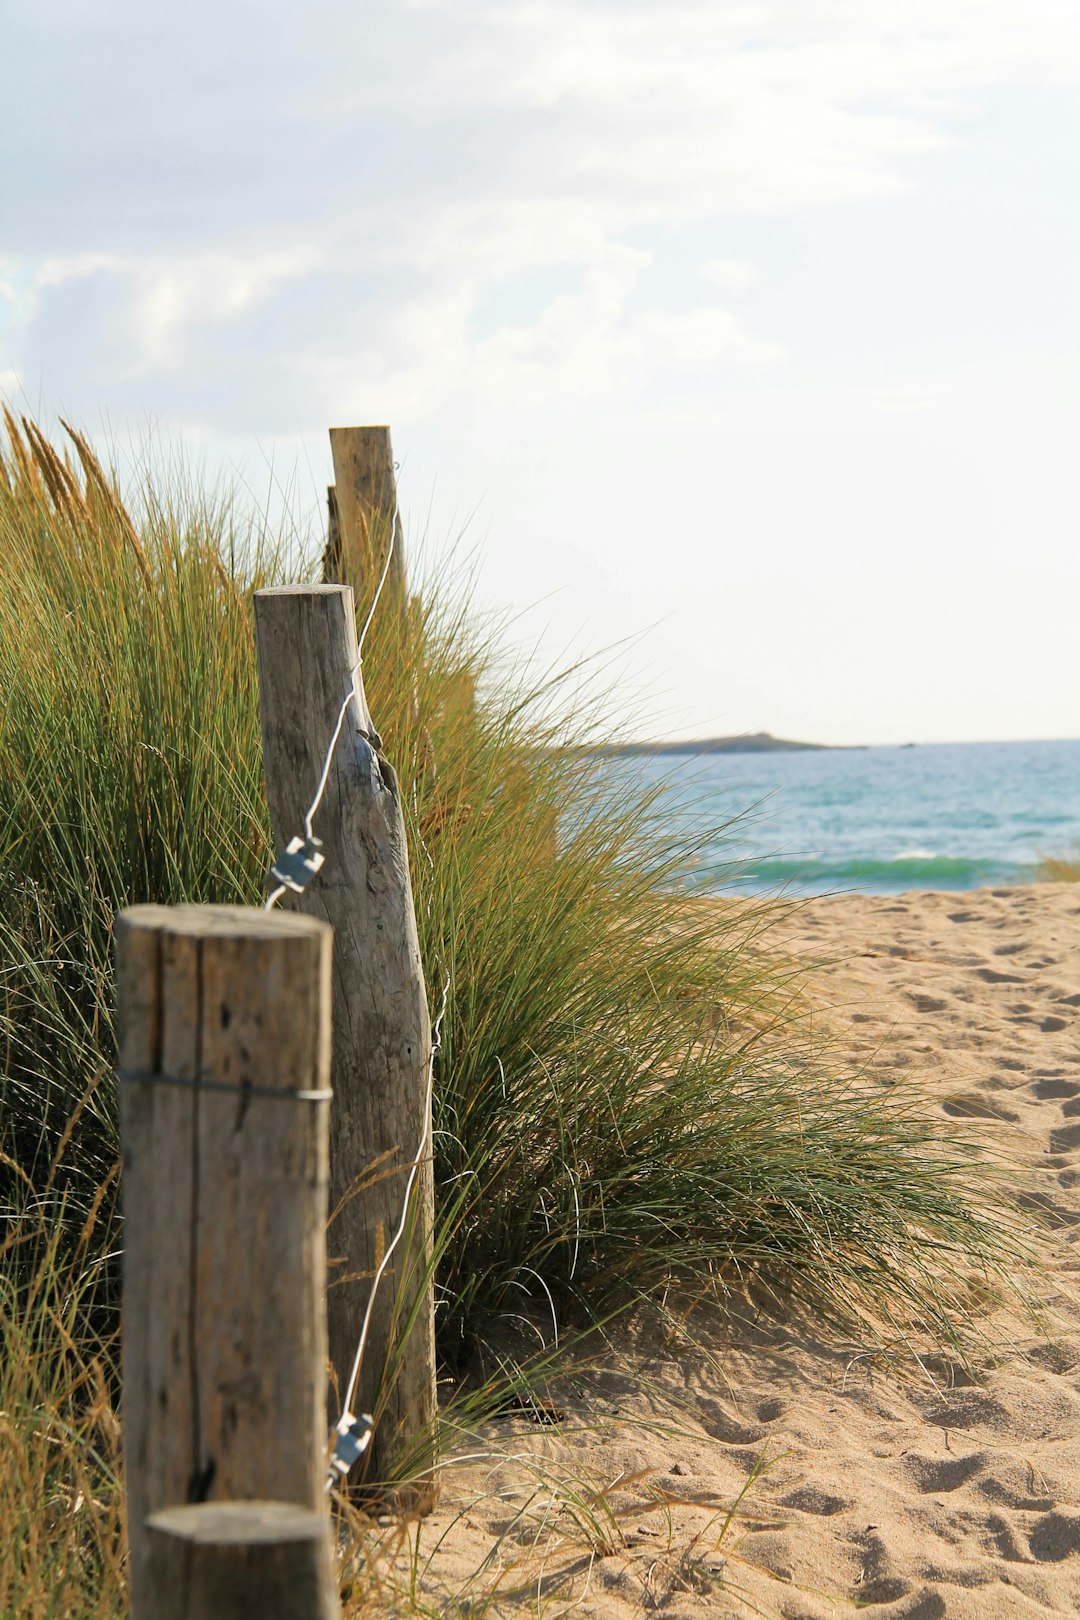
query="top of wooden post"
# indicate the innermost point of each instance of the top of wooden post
(205, 922)
(244, 1524)
(324, 589)
(367, 512)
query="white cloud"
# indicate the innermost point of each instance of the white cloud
(694, 104)
(583, 345)
(590, 345)
(703, 337)
(729, 275)
(210, 289)
(458, 144)
(158, 301)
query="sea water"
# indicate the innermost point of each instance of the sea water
(879, 820)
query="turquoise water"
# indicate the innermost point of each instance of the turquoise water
(880, 820)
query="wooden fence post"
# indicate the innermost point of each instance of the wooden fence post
(306, 640)
(224, 1036)
(239, 1561)
(363, 513)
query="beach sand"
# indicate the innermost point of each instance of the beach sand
(886, 1488)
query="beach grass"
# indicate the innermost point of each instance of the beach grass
(1059, 869)
(629, 1107)
(61, 1501)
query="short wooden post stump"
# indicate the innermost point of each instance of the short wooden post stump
(224, 1026)
(238, 1560)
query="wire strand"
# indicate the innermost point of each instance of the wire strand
(414, 1171)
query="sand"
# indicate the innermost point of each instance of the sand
(908, 1493)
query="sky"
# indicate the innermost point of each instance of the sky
(740, 334)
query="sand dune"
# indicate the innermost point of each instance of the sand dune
(909, 1496)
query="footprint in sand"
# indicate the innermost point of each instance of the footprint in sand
(1053, 1214)
(1008, 1539)
(725, 1426)
(1064, 1138)
(879, 1584)
(922, 1605)
(1055, 1358)
(1010, 1482)
(1054, 1537)
(1052, 1086)
(970, 1105)
(812, 1499)
(971, 1409)
(941, 1474)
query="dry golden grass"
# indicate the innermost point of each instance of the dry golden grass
(1059, 869)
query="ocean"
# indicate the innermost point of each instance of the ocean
(877, 820)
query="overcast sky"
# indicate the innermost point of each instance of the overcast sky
(749, 326)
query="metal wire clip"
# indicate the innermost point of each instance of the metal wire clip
(298, 863)
(351, 1439)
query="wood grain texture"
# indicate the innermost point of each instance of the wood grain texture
(225, 1199)
(239, 1560)
(365, 491)
(306, 640)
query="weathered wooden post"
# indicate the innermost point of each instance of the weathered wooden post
(363, 513)
(224, 1045)
(363, 523)
(308, 667)
(239, 1560)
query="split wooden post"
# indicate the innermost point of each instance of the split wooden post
(224, 1046)
(363, 513)
(236, 1560)
(306, 640)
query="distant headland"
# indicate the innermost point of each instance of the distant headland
(748, 742)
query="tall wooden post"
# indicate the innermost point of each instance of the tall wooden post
(306, 639)
(224, 1047)
(364, 514)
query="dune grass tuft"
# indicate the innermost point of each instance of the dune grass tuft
(61, 1505)
(614, 1111)
(1058, 869)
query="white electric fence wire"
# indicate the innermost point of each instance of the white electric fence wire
(414, 1171)
(324, 776)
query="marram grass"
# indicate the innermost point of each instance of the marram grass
(1059, 868)
(600, 1126)
(61, 1502)
(625, 1106)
